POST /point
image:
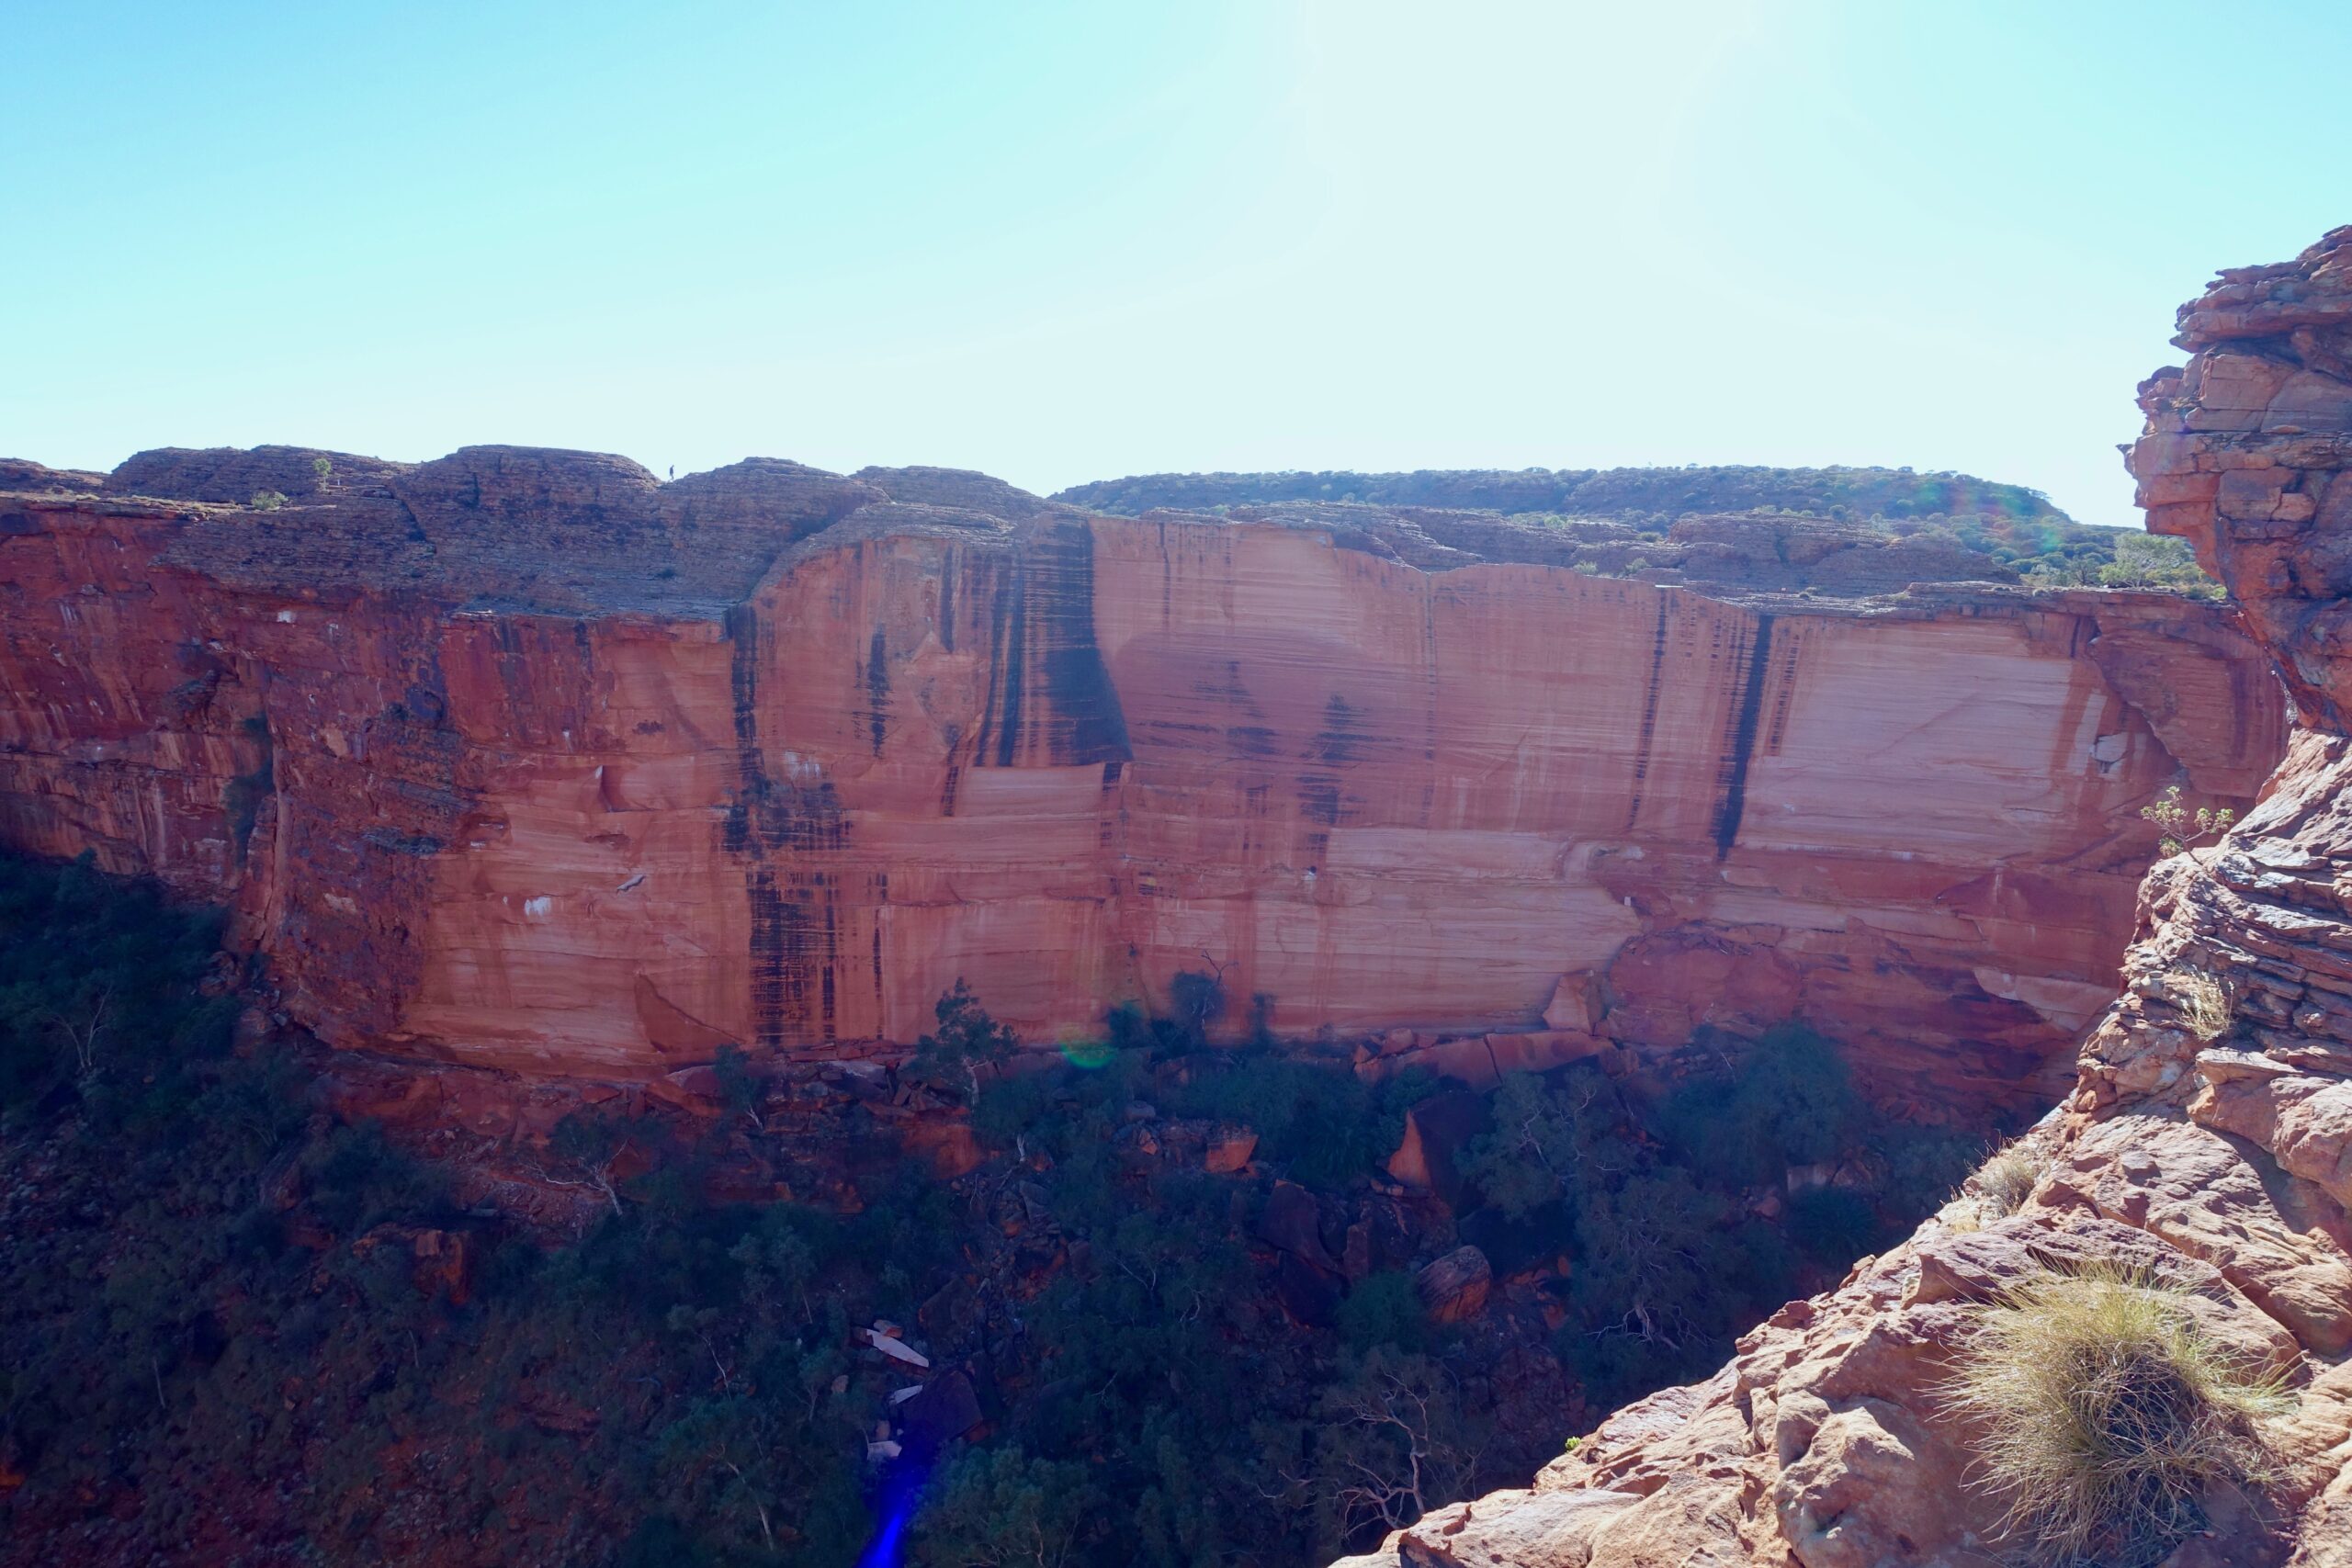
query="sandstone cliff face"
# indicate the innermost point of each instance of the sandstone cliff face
(2220, 1160)
(523, 760)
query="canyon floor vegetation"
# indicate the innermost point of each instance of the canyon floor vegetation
(242, 1326)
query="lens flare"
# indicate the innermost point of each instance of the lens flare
(1089, 1054)
(895, 1501)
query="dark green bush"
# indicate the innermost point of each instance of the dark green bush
(1316, 1118)
(1788, 1101)
(1832, 1226)
(967, 1040)
(97, 993)
(1383, 1309)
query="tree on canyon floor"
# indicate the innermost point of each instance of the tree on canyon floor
(96, 986)
(1394, 1441)
(998, 1507)
(966, 1041)
(1553, 1139)
(1691, 1214)
(232, 1316)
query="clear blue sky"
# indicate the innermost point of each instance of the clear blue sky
(1067, 242)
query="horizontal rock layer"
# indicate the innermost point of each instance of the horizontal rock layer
(520, 759)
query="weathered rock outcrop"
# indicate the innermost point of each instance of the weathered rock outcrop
(2213, 1152)
(522, 759)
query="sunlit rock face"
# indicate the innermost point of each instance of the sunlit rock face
(2214, 1154)
(522, 759)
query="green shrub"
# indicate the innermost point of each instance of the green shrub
(967, 1040)
(1918, 1167)
(358, 1181)
(1393, 1437)
(2156, 561)
(1383, 1309)
(1196, 1001)
(97, 993)
(1000, 1508)
(1788, 1101)
(1832, 1226)
(1010, 1108)
(2179, 827)
(1552, 1139)
(1316, 1117)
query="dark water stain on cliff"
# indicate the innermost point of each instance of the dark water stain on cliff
(1787, 647)
(952, 779)
(778, 828)
(1013, 617)
(1732, 802)
(877, 689)
(947, 570)
(1004, 609)
(1320, 798)
(1649, 718)
(1109, 821)
(1044, 617)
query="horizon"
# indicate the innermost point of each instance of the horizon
(1057, 246)
(660, 478)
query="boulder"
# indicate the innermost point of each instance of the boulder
(1230, 1150)
(945, 1409)
(1871, 1487)
(1523, 1530)
(1309, 1295)
(1453, 1288)
(1436, 1131)
(1291, 1222)
(1576, 1004)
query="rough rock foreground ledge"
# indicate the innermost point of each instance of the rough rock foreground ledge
(2224, 1162)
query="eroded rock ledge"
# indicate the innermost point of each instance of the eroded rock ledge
(2222, 1161)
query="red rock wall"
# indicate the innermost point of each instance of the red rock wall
(1065, 757)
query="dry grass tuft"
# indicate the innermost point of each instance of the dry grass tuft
(2204, 1005)
(2008, 1179)
(2106, 1415)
